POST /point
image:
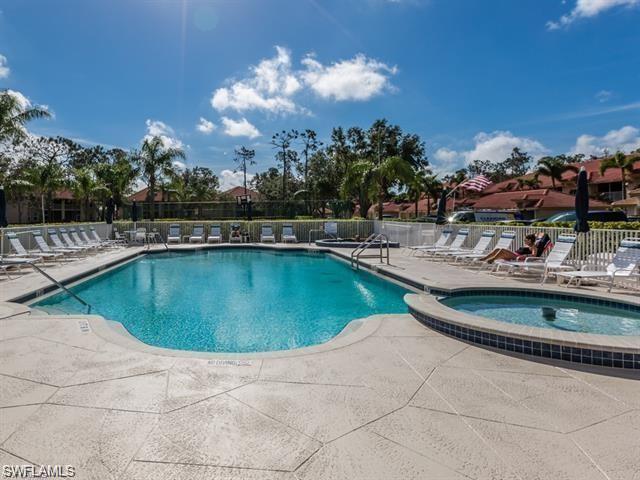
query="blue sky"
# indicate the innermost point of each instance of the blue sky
(472, 78)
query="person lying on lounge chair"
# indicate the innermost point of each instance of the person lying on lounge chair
(534, 245)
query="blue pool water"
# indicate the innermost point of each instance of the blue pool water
(570, 316)
(235, 300)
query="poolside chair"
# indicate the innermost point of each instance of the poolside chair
(174, 233)
(504, 243)
(117, 242)
(120, 239)
(481, 247)
(287, 234)
(8, 264)
(266, 234)
(71, 244)
(197, 234)
(623, 265)
(75, 237)
(215, 234)
(45, 248)
(236, 235)
(63, 245)
(552, 263)
(21, 252)
(455, 245)
(86, 240)
(440, 243)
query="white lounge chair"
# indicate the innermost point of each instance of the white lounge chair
(215, 234)
(7, 264)
(481, 247)
(174, 233)
(553, 263)
(623, 265)
(141, 235)
(118, 242)
(75, 237)
(441, 242)
(266, 234)
(197, 234)
(504, 243)
(455, 245)
(86, 240)
(63, 245)
(287, 234)
(45, 248)
(22, 253)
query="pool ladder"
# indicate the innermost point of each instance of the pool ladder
(383, 250)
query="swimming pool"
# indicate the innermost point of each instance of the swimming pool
(570, 316)
(234, 300)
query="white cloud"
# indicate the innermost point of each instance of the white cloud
(179, 165)
(4, 69)
(274, 83)
(588, 9)
(625, 139)
(156, 128)
(603, 95)
(239, 128)
(495, 147)
(357, 79)
(205, 126)
(269, 88)
(230, 179)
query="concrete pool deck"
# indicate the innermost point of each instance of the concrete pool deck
(402, 402)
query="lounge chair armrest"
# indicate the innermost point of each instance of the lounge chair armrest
(533, 259)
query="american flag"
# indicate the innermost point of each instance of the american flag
(476, 184)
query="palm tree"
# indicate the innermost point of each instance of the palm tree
(46, 178)
(156, 162)
(624, 163)
(14, 114)
(384, 174)
(531, 183)
(432, 188)
(356, 183)
(86, 187)
(416, 187)
(554, 168)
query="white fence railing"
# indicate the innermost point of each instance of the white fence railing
(24, 233)
(407, 233)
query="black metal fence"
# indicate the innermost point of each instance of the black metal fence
(219, 210)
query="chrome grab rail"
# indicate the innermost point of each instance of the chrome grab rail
(62, 287)
(357, 252)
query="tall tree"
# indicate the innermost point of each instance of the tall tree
(285, 156)
(156, 163)
(554, 168)
(15, 113)
(416, 187)
(622, 162)
(310, 145)
(244, 157)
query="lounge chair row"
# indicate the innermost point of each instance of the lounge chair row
(214, 234)
(551, 261)
(66, 245)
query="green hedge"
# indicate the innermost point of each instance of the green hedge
(593, 225)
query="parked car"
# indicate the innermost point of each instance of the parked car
(594, 216)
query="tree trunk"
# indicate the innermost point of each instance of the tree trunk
(417, 201)
(152, 198)
(42, 207)
(428, 204)
(380, 204)
(623, 175)
(553, 183)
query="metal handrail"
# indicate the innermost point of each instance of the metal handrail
(62, 287)
(357, 252)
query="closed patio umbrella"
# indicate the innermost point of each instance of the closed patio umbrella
(134, 212)
(109, 213)
(3, 210)
(442, 207)
(582, 203)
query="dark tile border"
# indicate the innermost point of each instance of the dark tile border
(553, 351)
